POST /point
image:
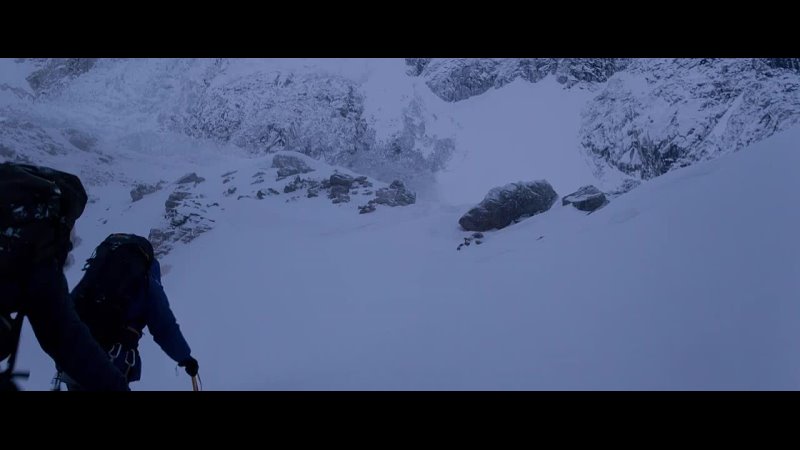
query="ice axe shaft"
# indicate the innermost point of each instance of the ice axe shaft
(194, 384)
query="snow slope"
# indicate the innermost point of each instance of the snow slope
(522, 132)
(688, 282)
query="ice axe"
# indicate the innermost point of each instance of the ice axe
(195, 385)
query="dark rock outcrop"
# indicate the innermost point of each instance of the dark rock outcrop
(190, 178)
(289, 165)
(339, 193)
(142, 189)
(455, 79)
(395, 195)
(339, 179)
(504, 205)
(186, 218)
(57, 72)
(300, 183)
(587, 198)
(667, 113)
(784, 63)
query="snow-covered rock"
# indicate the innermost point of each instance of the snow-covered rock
(587, 198)
(454, 79)
(142, 189)
(187, 217)
(661, 114)
(507, 204)
(289, 165)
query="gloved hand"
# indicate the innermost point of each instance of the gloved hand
(191, 366)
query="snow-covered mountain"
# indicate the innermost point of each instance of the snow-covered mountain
(318, 108)
(661, 114)
(415, 120)
(308, 212)
(455, 79)
(646, 115)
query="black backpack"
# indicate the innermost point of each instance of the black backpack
(115, 274)
(38, 208)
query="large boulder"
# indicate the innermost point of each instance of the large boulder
(587, 198)
(507, 204)
(340, 179)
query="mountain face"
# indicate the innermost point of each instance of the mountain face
(459, 79)
(784, 63)
(663, 114)
(322, 116)
(262, 110)
(649, 115)
(643, 117)
(52, 74)
(318, 115)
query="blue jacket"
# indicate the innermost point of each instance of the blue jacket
(151, 309)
